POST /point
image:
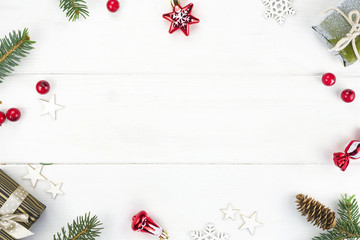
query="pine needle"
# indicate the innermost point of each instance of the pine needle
(74, 9)
(347, 226)
(12, 48)
(82, 228)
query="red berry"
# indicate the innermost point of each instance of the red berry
(113, 5)
(43, 87)
(328, 79)
(2, 118)
(348, 95)
(13, 114)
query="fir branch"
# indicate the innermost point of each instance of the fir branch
(12, 48)
(347, 226)
(74, 9)
(83, 227)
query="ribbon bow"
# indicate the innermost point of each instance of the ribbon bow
(10, 223)
(342, 160)
(352, 151)
(352, 35)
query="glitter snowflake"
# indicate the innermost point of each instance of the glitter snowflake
(209, 234)
(278, 9)
(181, 18)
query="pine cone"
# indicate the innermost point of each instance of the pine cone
(316, 213)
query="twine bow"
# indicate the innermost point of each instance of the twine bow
(352, 35)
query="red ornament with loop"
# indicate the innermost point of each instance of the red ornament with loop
(352, 151)
(141, 222)
(181, 17)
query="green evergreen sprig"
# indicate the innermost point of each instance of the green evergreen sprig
(74, 9)
(82, 228)
(12, 48)
(347, 225)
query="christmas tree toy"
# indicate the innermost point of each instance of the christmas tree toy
(141, 222)
(340, 30)
(346, 227)
(181, 17)
(18, 209)
(352, 151)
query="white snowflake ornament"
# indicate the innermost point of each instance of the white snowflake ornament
(209, 233)
(278, 9)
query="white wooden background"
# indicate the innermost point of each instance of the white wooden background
(179, 126)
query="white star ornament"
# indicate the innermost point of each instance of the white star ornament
(250, 223)
(230, 212)
(55, 190)
(50, 107)
(34, 175)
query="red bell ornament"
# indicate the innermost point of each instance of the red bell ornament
(352, 151)
(141, 222)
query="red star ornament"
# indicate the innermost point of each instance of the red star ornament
(181, 18)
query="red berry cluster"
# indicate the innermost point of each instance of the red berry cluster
(13, 115)
(347, 95)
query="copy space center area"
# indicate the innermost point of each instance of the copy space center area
(224, 126)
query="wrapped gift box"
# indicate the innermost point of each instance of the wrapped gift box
(334, 27)
(15, 201)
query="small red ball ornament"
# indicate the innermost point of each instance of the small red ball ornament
(43, 87)
(113, 5)
(328, 79)
(2, 118)
(348, 95)
(141, 222)
(352, 151)
(13, 114)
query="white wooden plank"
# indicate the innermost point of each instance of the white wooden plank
(176, 119)
(232, 37)
(115, 193)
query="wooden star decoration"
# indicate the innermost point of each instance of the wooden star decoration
(34, 174)
(250, 223)
(230, 212)
(55, 190)
(50, 107)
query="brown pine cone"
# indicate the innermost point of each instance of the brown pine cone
(316, 213)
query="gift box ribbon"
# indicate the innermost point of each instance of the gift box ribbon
(9, 222)
(352, 35)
